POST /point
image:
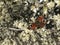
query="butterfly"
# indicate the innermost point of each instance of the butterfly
(39, 23)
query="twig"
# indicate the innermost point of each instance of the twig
(14, 29)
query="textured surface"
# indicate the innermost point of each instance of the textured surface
(29, 22)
